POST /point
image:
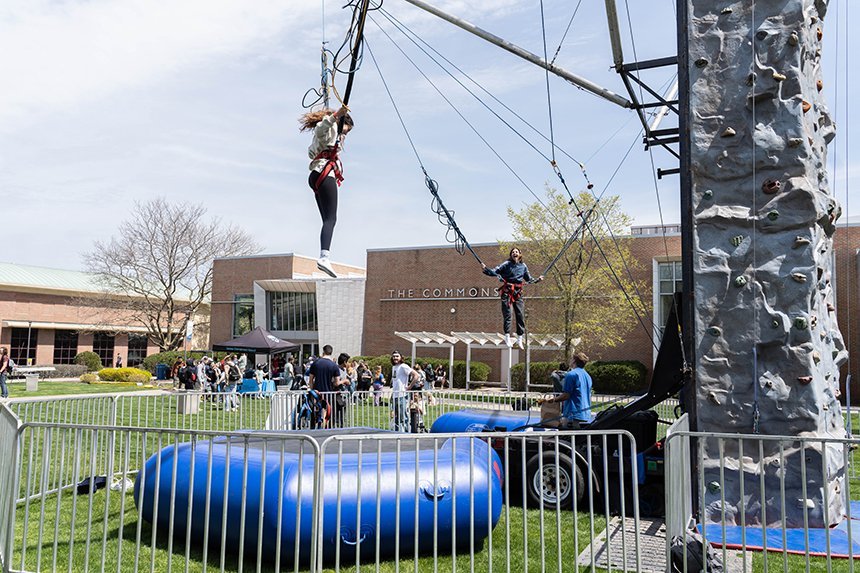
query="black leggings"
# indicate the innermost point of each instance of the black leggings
(327, 204)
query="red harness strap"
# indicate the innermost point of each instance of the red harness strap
(513, 291)
(332, 163)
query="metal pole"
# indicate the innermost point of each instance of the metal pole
(451, 366)
(614, 34)
(673, 91)
(29, 329)
(526, 55)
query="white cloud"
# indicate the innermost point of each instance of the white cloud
(55, 55)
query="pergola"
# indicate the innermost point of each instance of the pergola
(485, 340)
(431, 340)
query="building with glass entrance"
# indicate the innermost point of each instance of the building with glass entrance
(288, 296)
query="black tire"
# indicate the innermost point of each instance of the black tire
(542, 488)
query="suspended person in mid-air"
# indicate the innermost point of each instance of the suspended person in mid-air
(514, 274)
(326, 171)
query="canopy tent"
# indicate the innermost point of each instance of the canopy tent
(259, 341)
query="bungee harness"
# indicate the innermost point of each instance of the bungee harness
(512, 290)
(332, 164)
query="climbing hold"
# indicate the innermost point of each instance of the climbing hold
(825, 407)
(708, 194)
(761, 35)
(771, 186)
(820, 85)
(795, 141)
(811, 142)
(813, 19)
(737, 240)
(816, 357)
(714, 487)
(830, 307)
(819, 34)
(799, 277)
(813, 321)
(773, 215)
(804, 379)
(740, 281)
(779, 77)
(800, 323)
(701, 63)
(793, 39)
(775, 323)
(726, 11)
(715, 331)
(729, 132)
(806, 106)
(800, 241)
(751, 79)
(714, 398)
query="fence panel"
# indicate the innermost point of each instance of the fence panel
(8, 477)
(126, 499)
(489, 502)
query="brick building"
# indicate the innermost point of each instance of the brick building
(47, 318)
(435, 289)
(288, 296)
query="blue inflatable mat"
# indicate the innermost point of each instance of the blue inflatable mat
(483, 420)
(796, 539)
(445, 497)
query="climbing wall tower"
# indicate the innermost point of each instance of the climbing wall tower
(768, 349)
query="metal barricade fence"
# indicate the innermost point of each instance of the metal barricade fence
(539, 501)
(152, 500)
(788, 498)
(114, 498)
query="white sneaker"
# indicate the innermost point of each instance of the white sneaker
(324, 265)
(520, 342)
(508, 340)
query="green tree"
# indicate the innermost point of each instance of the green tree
(583, 296)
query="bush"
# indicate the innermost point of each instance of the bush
(617, 376)
(89, 378)
(169, 357)
(89, 359)
(480, 371)
(540, 374)
(124, 375)
(64, 371)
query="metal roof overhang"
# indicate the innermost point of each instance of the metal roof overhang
(72, 326)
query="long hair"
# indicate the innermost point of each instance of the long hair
(511, 255)
(310, 120)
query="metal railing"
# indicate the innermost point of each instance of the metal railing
(120, 498)
(787, 498)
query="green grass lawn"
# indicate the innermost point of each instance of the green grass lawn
(114, 539)
(56, 388)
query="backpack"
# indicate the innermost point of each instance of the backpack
(11, 366)
(691, 544)
(233, 374)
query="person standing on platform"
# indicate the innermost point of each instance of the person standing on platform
(514, 274)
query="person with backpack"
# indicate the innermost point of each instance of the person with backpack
(188, 375)
(5, 370)
(234, 376)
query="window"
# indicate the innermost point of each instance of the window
(65, 346)
(23, 347)
(293, 311)
(103, 344)
(668, 283)
(136, 349)
(243, 314)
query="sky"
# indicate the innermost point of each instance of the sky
(108, 102)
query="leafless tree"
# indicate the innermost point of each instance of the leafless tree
(158, 269)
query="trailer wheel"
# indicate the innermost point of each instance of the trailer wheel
(542, 477)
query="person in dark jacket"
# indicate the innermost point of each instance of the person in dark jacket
(514, 274)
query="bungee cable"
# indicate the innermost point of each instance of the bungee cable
(445, 215)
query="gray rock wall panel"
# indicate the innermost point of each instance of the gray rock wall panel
(763, 226)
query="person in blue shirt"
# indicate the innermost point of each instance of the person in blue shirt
(514, 274)
(576, 393)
